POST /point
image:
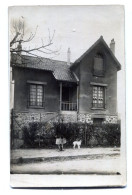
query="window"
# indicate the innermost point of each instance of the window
(98, 97)
(36, 95)
(98, 65)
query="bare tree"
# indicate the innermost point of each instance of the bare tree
(19, 37)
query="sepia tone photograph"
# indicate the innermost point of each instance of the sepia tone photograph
(67, 96)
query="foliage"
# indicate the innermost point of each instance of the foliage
(38, 134)
(29, 133)
(104, 135)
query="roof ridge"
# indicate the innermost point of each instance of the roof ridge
(42, 58)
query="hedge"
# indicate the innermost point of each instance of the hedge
(38, 134)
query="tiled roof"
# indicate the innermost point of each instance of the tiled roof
(64, 74)
(60, 69)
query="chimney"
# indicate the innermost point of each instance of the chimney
(19, 48)
(112, 46)
(68, 56)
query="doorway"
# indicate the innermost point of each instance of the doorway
(65, 94)
(98, 121)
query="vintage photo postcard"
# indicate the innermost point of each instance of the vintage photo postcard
(67, 96)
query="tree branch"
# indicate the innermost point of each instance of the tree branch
(14, 39)
(18, 26)
(30, 50)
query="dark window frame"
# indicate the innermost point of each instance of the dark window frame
(101, 73)
(96, 106)
(35, 104)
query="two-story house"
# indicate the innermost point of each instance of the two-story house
(84, 91)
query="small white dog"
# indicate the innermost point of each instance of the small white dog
(77, 143)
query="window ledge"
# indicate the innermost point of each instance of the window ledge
(99, 84)
(95, 75)
(36, 107)
(98, 108)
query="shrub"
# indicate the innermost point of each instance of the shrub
(29, 133)
(106, 134)
(39, 134)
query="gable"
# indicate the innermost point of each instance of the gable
(99, 46)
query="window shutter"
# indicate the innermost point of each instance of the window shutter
(98, 65)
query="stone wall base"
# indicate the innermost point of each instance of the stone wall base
(21, 119)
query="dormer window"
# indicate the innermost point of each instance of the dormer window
(98, 65)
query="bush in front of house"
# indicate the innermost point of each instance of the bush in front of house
(29, 134)
(43, 135)
(104, 135)
(38, 134)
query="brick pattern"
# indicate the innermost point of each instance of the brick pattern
(111, 120)
(69, 118)
(21, 119)
(85, 118)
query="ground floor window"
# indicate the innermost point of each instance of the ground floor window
(98, 97)
(36, 95)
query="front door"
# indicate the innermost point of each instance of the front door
(65, 94)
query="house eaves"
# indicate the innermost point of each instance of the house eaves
(100, 40)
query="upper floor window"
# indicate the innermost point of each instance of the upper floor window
(98, 65)
(36, 95)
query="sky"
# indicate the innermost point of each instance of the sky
(77, 28)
